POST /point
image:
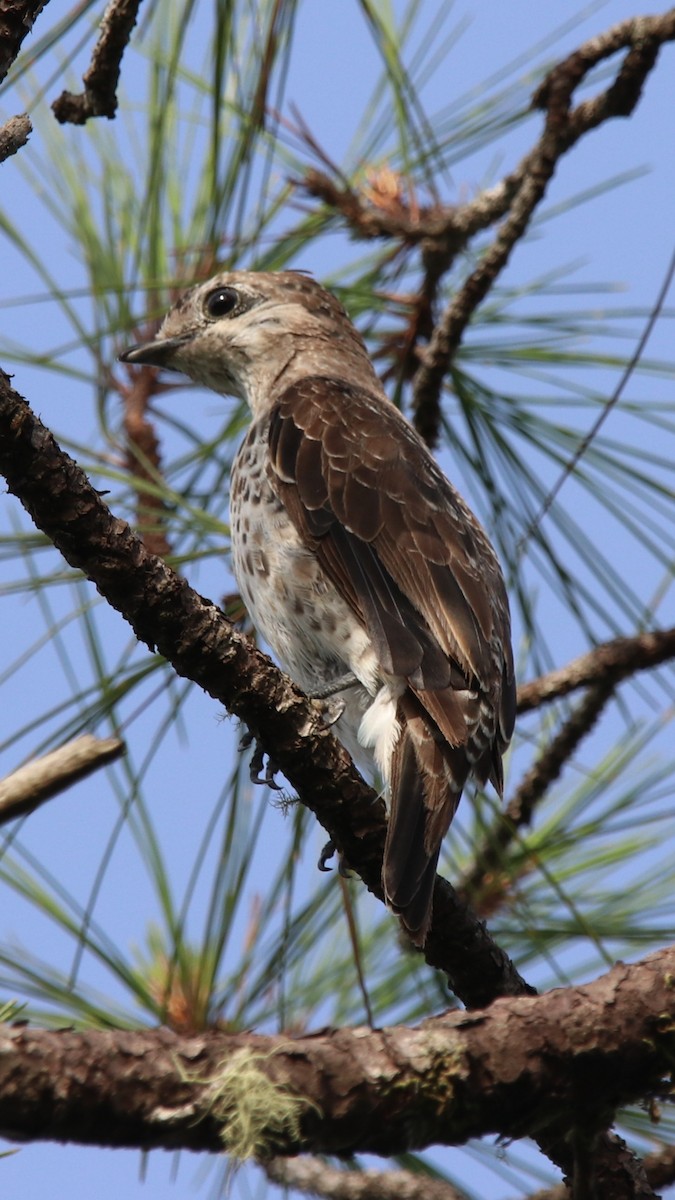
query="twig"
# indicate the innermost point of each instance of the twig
(526, 187)
(611, 662)
(547, 768)
(369, 216)
(43, 778)
(143, 459)
(99, 98)
(601, 670)
(17, 18)
(14, 134)
(484, 884)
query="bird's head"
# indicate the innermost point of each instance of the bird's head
(246, 333)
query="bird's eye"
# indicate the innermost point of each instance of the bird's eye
(221, 302)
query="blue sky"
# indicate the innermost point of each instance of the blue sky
(625, 236)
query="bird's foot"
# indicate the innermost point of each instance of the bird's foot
(327, 853)
(332, 704)
(259, 772)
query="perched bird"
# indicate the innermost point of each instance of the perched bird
(355, 555)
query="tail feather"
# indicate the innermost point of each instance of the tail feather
(426, 780)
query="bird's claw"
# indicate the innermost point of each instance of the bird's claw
(327, 853)
(259, 772)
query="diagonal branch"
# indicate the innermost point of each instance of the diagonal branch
(201, 644)
(601, 670)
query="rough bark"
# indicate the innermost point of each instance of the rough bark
(567, 1060)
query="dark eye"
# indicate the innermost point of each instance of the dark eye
(221, 302)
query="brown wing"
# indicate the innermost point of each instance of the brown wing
(395, 538)
(410, 559)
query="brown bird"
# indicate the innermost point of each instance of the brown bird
(355, 555)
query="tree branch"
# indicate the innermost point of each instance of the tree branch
(659, 1169)
(319, 1178)
(523, 190)
(486, 881)
(201, 644)
(611, 662)
(567, 1059)
(43, 778)
(17, 18)
(601, 669)
(99, 98)
(14, 134)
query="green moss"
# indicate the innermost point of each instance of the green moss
(254, 1112)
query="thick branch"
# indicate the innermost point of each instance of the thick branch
(523, 190)
(42, 778)
(99, 98)
(201, 644)
(17, 18)
(568, 1059)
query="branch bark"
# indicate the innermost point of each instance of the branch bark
(522, 191)
(99, 98)
(316, 1177)
(567, 1059)
(611, 662)
(17, 18)
(43, 778)
(14, 134)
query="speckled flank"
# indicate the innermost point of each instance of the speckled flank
(297, 610)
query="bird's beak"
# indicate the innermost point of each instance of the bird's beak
(158, 353)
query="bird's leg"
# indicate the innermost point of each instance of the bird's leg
(332, 711)
(327, 694)
(333, 686)
(257, 764)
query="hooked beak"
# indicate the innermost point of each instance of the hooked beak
(156, 354)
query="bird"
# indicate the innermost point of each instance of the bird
(360, 564)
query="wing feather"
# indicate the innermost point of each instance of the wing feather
(409, 558)
(393, 535)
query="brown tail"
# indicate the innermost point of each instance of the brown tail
(427, 777)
